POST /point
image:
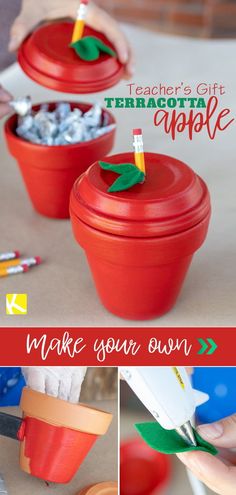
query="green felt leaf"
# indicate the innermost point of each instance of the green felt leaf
(169, 441)
(129, 175)
(104, 48)
(127, 180)
(118, 169)
(90, 47)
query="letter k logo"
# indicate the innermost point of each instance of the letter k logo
(16, 304)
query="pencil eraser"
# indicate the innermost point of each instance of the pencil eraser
(137, 132)
(38, 260)
(17, 254)
(25, 268)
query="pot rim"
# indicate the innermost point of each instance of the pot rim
(125, 216)
(10, 125)
(61, 413)
(102, 488)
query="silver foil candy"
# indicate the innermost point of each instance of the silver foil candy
(62, 110)
(93, 116)
(64, 125)
(22, 106)
(103, 130)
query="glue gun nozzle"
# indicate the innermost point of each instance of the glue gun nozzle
(187, 433)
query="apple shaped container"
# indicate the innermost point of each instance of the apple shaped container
(47, 58)
(55, 435)
(140, 242)
(49, 172)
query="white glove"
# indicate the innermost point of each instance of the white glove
(58, 381)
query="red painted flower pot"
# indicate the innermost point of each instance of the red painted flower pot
(143, 471)
(55, 436)
(50, 171)
(140, 242)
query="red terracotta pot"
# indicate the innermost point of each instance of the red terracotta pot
(56, 435)
(139, 243)
(50, 171)
(143, 471)
(51, 452)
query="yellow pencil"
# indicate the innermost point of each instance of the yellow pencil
(9, 256)
(80, 21)
(13, 270)
(36, 260)
(138, 150)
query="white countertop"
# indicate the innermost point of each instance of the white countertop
(61, 291)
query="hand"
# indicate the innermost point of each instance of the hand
(5, 97)
(32, 13)
(58, 381)
(218, 473)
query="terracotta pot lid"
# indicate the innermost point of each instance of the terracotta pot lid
(62, 413)
(46, 57)
(105, 488)
(171, 200)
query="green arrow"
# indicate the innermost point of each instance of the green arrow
(204, 346)
(213, 347)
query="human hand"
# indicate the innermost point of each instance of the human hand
(32, 13)
(5, 97)
(57, 381)
(218, 473)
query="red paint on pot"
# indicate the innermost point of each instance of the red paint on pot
(54, 453)
(46, 57)
(139, 243)
(143, 471)
(50, 171)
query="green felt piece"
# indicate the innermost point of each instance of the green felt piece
(89, 48)
(122, 168)
(169, 441)
(129, 175)
(127, 180)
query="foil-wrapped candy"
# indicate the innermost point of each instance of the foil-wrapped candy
(64, 125)
(22, 106)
